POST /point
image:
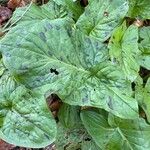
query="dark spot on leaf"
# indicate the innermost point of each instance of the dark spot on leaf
(88, 41)
(18, 44)
(22, 67)
(61, 58)
(106, 14)
(118, 86)
(7, 54)
(49, 53)
(113, 37)
(24, 96)
(87, 55)
(112, 42)
(118, 16)
(66, 137)
(42, 36)
(87, 139)
(46, 136)
(85, 99)
(79, 45)
(110, 25)
(134, 128)
(49, 26)
(106, 33)
(94, 89)
(67, 57)
(97, 45)
(45, 29)
(30, 92)
(110, 104)
(57, 27)
(54, 71)
(38, 80)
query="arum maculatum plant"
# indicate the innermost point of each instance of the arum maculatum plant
(94, 58)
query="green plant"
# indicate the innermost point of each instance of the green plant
(92, 59)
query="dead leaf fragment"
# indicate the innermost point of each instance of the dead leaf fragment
(1, 33)
(138, 23)
(13, 4)
(5, 14)
(5, 146)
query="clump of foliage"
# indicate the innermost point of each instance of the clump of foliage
(94, 59)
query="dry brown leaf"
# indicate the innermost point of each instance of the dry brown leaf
(5, 146)
(138, 23)
(5, 14)
(15, 3)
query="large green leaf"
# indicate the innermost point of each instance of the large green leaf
(101, 17)
(134, 134)
(51, 10)
(72, 65)
(89, 145)
(72, 6)
(142, 94)
(74, 139)
(139, 8)
(116, 133)
(69, 116)
(145, 47)
(34, 12)
(124, 50)
(24, 117)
